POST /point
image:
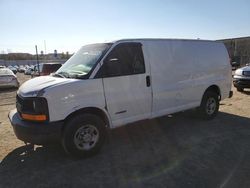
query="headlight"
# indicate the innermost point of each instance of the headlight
(33, 108)
(237, 72)
(246, 73)
(39, 105)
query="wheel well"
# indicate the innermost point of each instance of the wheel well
(90, 110)
(215, 89)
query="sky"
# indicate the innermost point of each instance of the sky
(68, 25)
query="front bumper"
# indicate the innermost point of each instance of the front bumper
(35, 132)
(241, 83)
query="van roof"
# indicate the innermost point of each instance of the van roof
(162, 39)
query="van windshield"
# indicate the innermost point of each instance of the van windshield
(83, 61)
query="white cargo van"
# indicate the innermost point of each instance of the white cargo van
(112, 84)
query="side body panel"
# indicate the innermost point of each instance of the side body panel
(70, 97)
(212, 68)
(182, 70)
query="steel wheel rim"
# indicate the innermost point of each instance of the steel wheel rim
(211, 106)
(86, 137)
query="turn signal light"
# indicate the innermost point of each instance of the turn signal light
(32, 117)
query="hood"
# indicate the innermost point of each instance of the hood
(247, 68)
(239, 71)
(31, 88)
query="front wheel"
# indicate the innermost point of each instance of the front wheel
(209, 105)
(84, 135)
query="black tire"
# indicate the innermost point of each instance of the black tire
(240, 89)
(205, 110)
(71, 135)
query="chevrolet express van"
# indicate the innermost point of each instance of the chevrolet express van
(112, 84)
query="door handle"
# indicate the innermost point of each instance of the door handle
(148, 81)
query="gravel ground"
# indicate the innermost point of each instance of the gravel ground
(171, 151)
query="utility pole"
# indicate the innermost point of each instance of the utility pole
(44, 46)
(37, 61)
(235, 47)
(45, 50)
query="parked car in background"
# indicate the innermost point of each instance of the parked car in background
(28, 71)
(13, 69)
(16, 66)
(8, 78)
(45, 69)
(21, 69)
(241, 78)
(2, 66)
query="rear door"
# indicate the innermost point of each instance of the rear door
(127, 84)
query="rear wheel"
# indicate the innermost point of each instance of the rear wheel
(209, 105)
(84, 135)
(240, 89)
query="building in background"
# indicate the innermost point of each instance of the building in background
(238, 49)
(30, 59)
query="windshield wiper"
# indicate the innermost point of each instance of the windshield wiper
(58, 75)
(80, 76)
(69, 75)
(77, 74)
(62, 74)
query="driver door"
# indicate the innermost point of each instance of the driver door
(127, 84)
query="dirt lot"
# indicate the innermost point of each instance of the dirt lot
(172, 151)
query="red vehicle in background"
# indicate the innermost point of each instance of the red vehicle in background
(45, 69)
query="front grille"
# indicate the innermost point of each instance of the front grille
(242, 82)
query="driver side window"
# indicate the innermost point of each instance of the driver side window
(124, 59)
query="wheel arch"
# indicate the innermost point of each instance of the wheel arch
(91, 110)
(214, 88)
